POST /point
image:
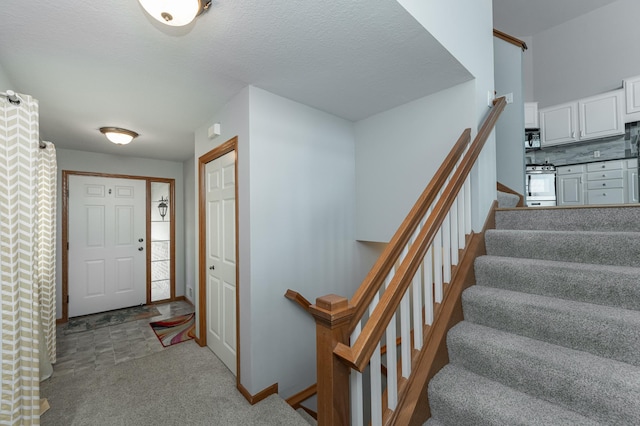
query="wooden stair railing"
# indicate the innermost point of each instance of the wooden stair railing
(345, 341)
(299, 299)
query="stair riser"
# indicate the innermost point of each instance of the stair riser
(619, 249)
(615, 286)
(602, 331)
(460, 398)
(600, 389)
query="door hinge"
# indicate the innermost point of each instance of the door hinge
(67, 298)
(67, 245)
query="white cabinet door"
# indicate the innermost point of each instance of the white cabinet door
(632, 99)
(559, 124)
(570, 190)
(631, 183)
(531, 115)
(601, 115)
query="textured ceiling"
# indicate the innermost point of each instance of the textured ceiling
(523, 18)
(94, 64)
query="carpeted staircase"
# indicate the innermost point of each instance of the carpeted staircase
(551, 334)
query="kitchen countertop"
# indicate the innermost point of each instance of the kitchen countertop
(596, 160)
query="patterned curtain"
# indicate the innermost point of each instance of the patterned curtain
(46, 234)
(19, 291)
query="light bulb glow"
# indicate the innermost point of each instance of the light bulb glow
(117, 135)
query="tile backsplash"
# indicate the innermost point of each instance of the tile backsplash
(582, 152)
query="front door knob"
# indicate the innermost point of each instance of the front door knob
(212, 267)
(140, 249)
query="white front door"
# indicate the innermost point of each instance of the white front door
(107, 267)
(221, 258)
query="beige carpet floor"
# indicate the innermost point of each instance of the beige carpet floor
(182, 385)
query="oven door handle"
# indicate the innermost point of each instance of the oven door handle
(529, 184)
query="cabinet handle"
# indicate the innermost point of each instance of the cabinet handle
(603, 166)
(604, 175)
(604, 184)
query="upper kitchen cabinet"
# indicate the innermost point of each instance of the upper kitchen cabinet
(531, 115)
(594, 117)
(601, 115)
(632, 99)
(558, 124)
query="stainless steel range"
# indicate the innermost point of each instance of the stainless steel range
(540, 185)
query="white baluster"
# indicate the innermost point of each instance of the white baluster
(427, 279)
(392, 361)
(405, 334)
(467, 203)
(417, 311)
(375, 367)
(357, 393)
(462, 242)
(446, 249)
(437, 266)
(454, 232)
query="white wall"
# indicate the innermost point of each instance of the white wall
(510, 128)
(190, 206)
(527, 70)
(398, 152)
(587, 55)
(302, 227)
(465, 28)
(296, 222)
(104, 163)
(5, 84)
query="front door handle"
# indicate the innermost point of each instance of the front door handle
(140, 249)
(211, 268)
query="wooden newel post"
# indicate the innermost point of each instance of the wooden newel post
(332, 314)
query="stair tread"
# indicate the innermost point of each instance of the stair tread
(624, 218)
(600, 388)
(609, 248)
(609, 285)
(460, 397)
(601, 330)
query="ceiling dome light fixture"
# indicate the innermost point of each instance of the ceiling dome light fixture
(117, 135)
(175, 12)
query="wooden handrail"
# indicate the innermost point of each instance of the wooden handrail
(376, 276)
(510, 39)
(359, 353)
(298, 298)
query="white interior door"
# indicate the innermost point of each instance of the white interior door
(221, 258)
(107, 266)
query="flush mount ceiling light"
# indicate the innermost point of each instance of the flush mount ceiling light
(175, 12)
(117, 135)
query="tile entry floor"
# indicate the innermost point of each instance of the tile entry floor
(95, 349)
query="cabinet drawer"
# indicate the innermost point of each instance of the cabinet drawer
(568, 170)
(609, 183)
(605, 174)
(605, 196)
(605, 165)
